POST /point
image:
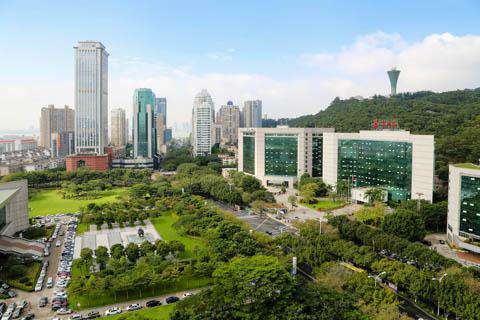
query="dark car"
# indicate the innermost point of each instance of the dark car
(153, 303)
(93, 315)
(172, 299)
(29, 316)
(42, 302)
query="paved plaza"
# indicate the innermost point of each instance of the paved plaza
(108, 237)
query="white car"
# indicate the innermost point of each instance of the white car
(58, 244)
(134, 307)
(64, 311)
(187, 294)
(76, 316)
(113, 311)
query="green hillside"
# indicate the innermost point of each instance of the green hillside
(453, 117)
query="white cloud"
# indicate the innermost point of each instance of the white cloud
(438, 62)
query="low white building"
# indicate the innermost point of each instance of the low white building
(396, 161)
(281, 155)
(463, 222)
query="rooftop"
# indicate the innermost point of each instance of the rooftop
(7, 194)
(467, 166)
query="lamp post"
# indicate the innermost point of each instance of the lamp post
(438, 300)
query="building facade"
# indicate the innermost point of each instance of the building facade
(91, 97)
(228, 117)
(7, 145)
(13, 207)
(62, 144)
(93, 162)
(160, 130)
(55, 120)
(203, 115)
(281, 155)
(161, 109)
(118, 134)
(252, 114)
(144, 134)
(463, 222)
(396, 161)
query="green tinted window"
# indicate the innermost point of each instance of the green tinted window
(281, 154)
(470, 207)
(385, 164)
(249, 153)
(317, 156)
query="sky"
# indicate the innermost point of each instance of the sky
(296, 56)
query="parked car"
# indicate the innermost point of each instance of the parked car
(76, 316)
(64, 311)
(171, 299)
(113, 311)
(93, 315)
(153, 303)
(29, 316)
(134, 307)
(42, 302)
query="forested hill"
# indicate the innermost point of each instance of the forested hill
(453, 117)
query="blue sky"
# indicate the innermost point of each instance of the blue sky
(272, 50)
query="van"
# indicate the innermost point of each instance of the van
(50, 282)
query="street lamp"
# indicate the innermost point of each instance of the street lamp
(439, 283)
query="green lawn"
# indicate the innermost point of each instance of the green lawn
(45, 202)
(164, 226)
(156, 313)
(325, 205)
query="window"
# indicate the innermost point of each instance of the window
(281, 154)
(249, 153)
(470, 207)
(386, 164)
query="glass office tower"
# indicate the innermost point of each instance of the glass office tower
(470, 207)
(281, 155)
(317, 155)
(249, 152)
(143, 123)
(385, 164)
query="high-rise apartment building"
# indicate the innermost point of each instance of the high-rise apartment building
(252, 114)
(55, 120)
(62, 144)
(160, 130)
(144, 135)
(161, 108)
(203, 115)
(91, 97)
(229, 118)
(118, 127)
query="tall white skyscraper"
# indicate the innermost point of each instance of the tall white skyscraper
(91, 97)
(252, 114)
(202, 122)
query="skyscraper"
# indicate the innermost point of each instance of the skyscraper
(229, 118)
(161, 108)
(160, 135)
(55, 120)
(91, 97)
(144, 134)
(393, 76)
(252, 114)
(202, 122)
(118, 128)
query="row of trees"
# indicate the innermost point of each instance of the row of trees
(456, 292)
(54, 178)
(87, 190)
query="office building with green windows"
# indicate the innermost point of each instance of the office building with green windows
(144, 134)
(463, 222)
(281, 155)
(400, 163)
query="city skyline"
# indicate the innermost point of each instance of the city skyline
(438, 52)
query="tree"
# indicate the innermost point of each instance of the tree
(371, 215)
(101, 254)
(308, 192)
(406, 224)
(292, 200)
(117, 251)
(258, 206)
(374, 195)
(132, 251)
(145, 248)
(176, 246)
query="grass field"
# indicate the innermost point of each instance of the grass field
(45, 202)
(325, 205)
(164, 226)
(156, 313)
